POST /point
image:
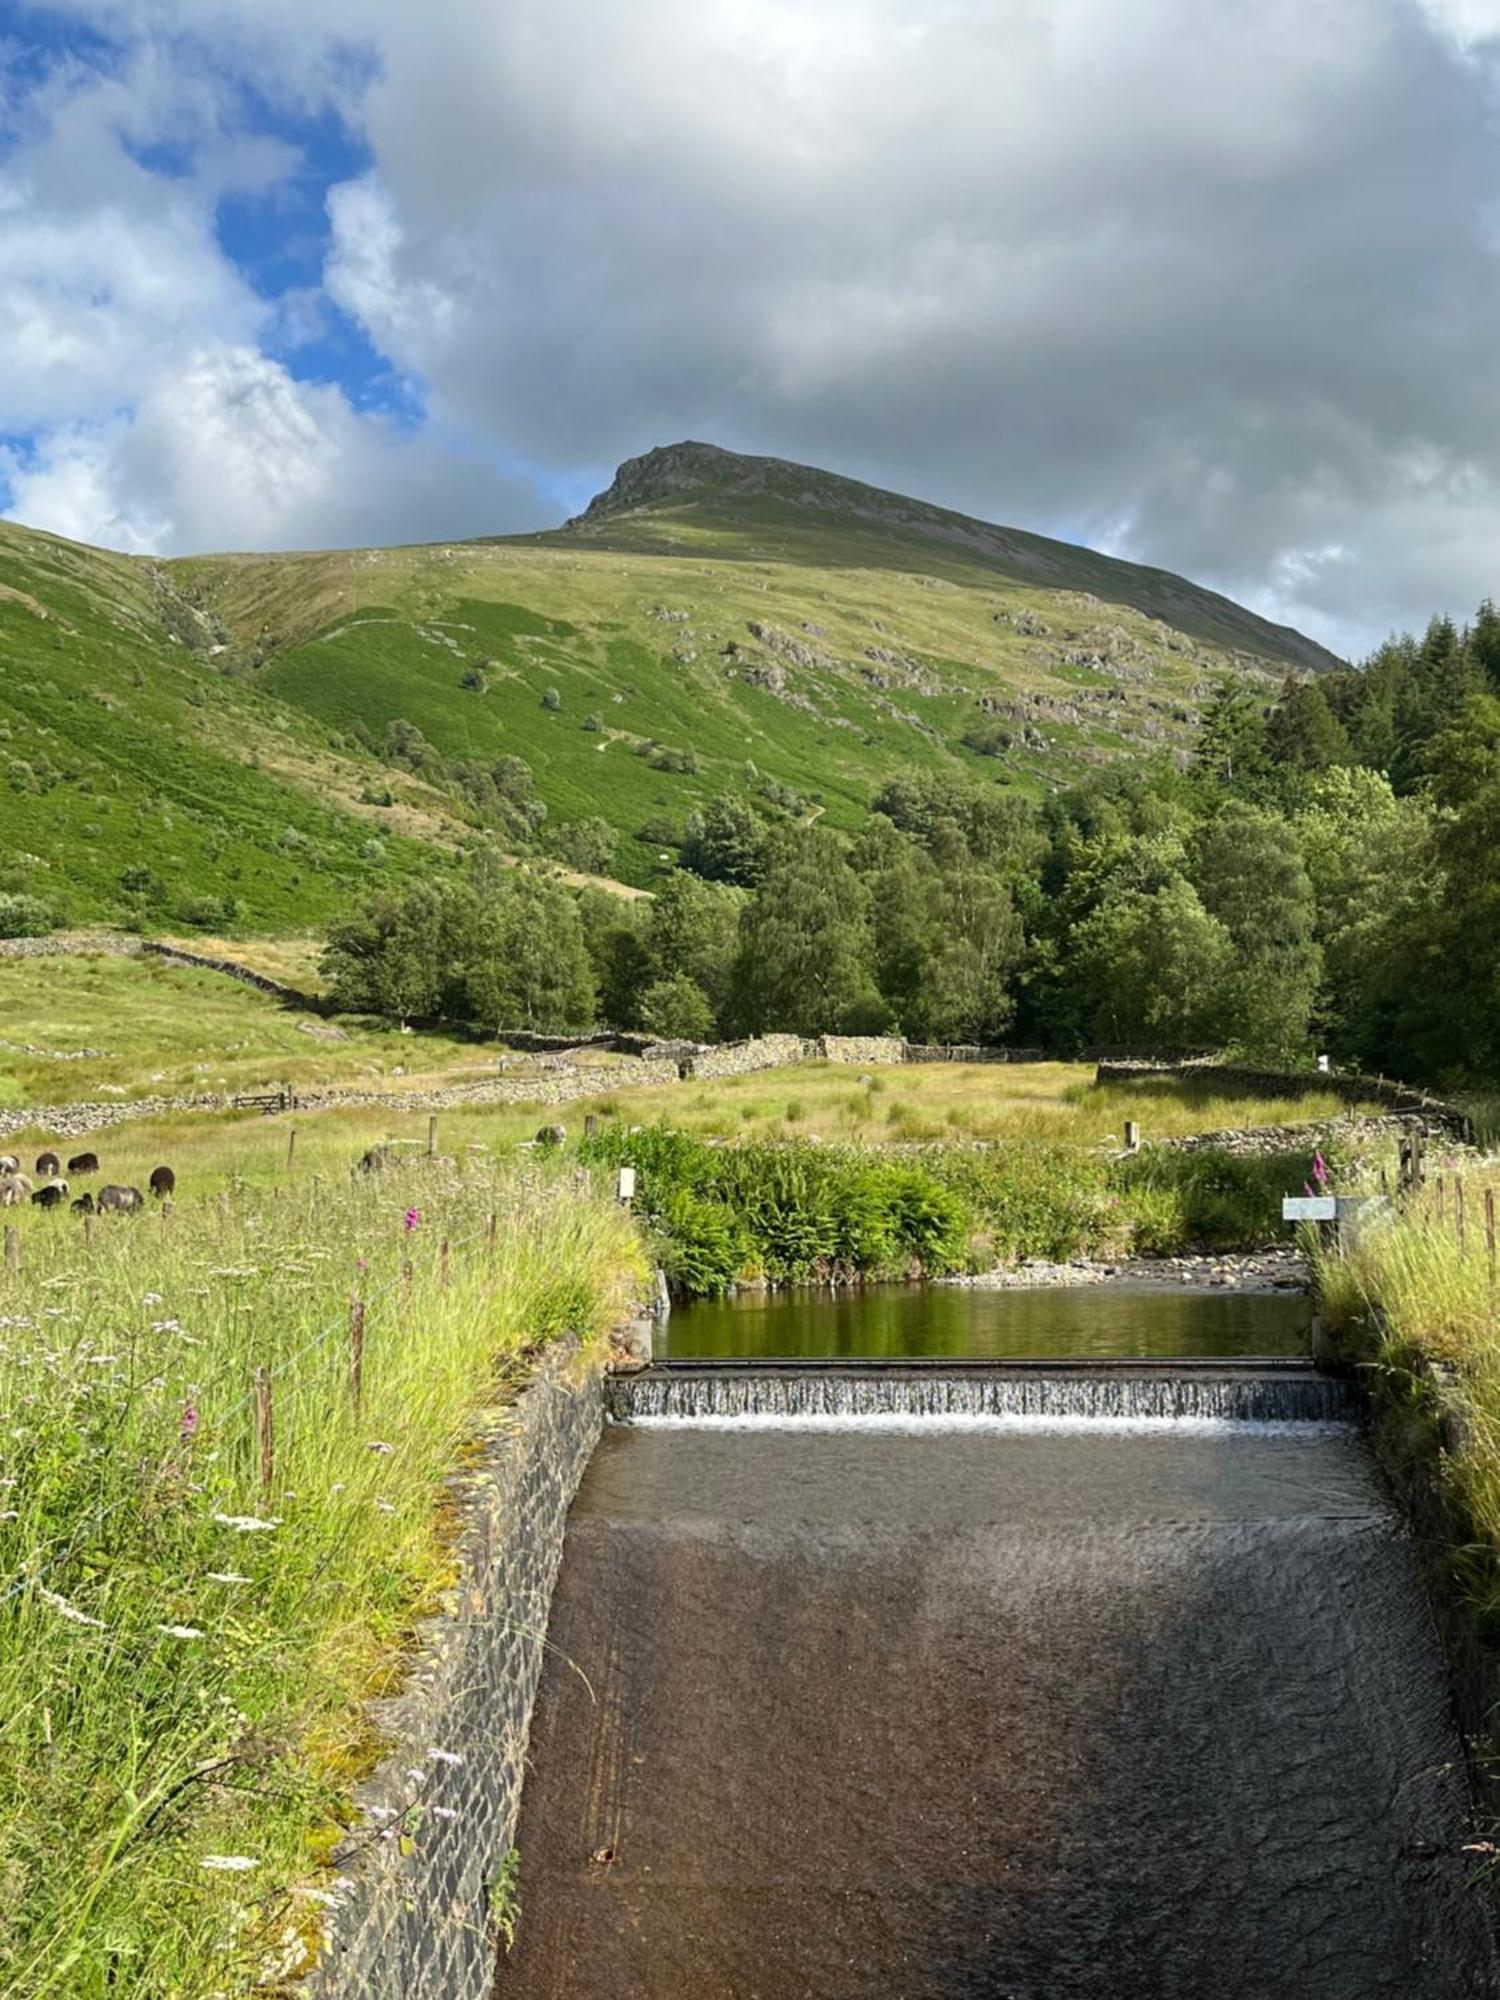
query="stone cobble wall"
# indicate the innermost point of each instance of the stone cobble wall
(1347, 1085)
(1263, 1141)
(867, 1050)
(72, 944)
(968, 1052)
(741, 1058)
(412, 1918)
(261, 981)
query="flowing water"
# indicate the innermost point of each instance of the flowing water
(968, 1694)
(956, 1320)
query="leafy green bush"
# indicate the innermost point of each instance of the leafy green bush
(789, 1213)
(24, 916)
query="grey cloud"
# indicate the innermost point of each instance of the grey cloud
(1216, 285)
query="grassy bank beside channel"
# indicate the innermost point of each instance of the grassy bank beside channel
(186, 1645)
(798, 1212)
(1416, 1307)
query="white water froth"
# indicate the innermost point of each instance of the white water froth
(914, 1424)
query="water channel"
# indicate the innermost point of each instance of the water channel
(978, 1694)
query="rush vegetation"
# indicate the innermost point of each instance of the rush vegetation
(791, 1212)
(187, 1643)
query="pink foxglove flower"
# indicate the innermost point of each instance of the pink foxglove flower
(413, 1217)
(188, 1422)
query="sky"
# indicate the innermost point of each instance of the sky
(1214, 286)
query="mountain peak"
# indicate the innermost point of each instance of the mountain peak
(894, 528)
(670, 470)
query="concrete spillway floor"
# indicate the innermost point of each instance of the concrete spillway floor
(1029, 1714)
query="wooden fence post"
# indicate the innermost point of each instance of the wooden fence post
(590, 1124)
(1441, 1189)
(490, 1225)
(1489, 1231)
(265, 1433)
(443, 1264)
(12, 1249)
(88, 1232)
(357, 1350)
(431, 1134)
(1458, 1211)
(291, 1147)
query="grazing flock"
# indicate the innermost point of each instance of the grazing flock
(16, 1187)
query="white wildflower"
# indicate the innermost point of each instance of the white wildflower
(180, 1631)
(444, 1812)
(227, 1576)
(229, 1864)
(417, 1775)
(378, 1444)
(445, 1757)
(151, 1298)
(245, 1524)
(65, 1610)
(104, 1361)
(385, 1506)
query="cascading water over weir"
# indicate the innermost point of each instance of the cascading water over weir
(961, 1679)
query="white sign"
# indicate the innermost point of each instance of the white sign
(626, 1188)
(1308, 1208)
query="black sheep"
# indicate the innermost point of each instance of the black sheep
(84, 1163)
(50, 1196)
(48, 1165)
(163, 1182)
(120, 1200)
(84, 1205)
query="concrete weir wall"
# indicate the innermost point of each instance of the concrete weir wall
(413, 1916)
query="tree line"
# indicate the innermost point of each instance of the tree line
(1326, 871)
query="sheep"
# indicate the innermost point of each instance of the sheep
(9, 1164)
(84, 1205)
(119, 1200)
(14, 1190)
(52, 1195)
(48, 1166)
(84, 1163)
(163, 1182)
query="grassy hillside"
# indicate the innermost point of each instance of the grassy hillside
(123, 748)
(711, 623)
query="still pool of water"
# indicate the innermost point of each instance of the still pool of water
(950, 1321)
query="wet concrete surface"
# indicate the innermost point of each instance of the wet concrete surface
(1036, 1715)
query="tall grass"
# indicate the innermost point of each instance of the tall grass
(184, 1652)
(1421, 1295)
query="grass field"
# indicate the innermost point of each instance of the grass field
(185, 1653)
(76, 1029)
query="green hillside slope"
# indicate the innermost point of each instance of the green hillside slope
(711, 623)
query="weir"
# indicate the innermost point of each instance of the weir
(1061, 1682)
(1271, 1393)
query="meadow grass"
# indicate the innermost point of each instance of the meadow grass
(1415, 1307)
(184, 1652)
(1050, 1105)
(73, 1029)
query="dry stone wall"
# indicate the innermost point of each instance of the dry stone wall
(1349, 1086)
(413, 1912)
